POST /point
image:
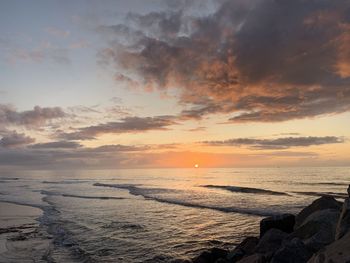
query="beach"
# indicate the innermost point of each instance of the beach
(21, 240)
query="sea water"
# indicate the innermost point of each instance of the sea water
(158, 215)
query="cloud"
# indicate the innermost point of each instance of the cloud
(118, 148)
(126, 156)
(14, 139)
(57, 145)
(258, 60)
(126, 125)
(279, 143)
(34, 118)
(66, 155)
(197, 129)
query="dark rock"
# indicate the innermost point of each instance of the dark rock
(181, 261)
(270, 242)
(349, 190)
(283, 222)
(343, 225)
(293, 251)
(246, 247)
(211, 256)
(322, 203)
(204, 257)
(218, 253)
(256, 258)
(235, 255)
(336, 252)
(318, 230)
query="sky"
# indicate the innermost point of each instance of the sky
(90, 84)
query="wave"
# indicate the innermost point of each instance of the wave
(238, 189)
(124, 225)
(319, 194)
(51, 193)
(94, 197)
(65, 182)
(145, 193)
(9, 178)
(66, 248)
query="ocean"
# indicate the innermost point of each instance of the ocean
(159, 215)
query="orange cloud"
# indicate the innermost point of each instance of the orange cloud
(261, 61)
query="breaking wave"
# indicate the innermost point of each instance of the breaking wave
(147, 194)
(81, 196)
(65, 182)
(248, 190)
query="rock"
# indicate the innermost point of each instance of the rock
(256, 258)
(349, 190)
(293, 251)
(246, 247)
(181, 261)
(235, 255)
(322, 203)
(336, 252)
(204, 257)
(318, 230)
(211, 256)
(270, 242)
(218, 253)
(283, 222)
(343, 225)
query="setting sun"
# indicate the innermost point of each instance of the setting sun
(196, 166)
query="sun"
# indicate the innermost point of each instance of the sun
(196, 166)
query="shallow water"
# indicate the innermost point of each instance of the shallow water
(162, 214)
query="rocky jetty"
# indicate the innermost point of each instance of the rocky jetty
(320, 233)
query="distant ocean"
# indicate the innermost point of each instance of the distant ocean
(156, 215)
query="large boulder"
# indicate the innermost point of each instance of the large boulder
(270, 242)
(322, 203)
(284, 222)
(246, 247)
(293, 251)
(318, 230)
(343, 225)
(338, 251)
(255, 258)
(211, 256)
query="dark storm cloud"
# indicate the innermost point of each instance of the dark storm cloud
(126, 125)
(36, 117)
(279, 143)
(259, 60)
(14, 139)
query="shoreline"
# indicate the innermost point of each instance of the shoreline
(21, 239)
